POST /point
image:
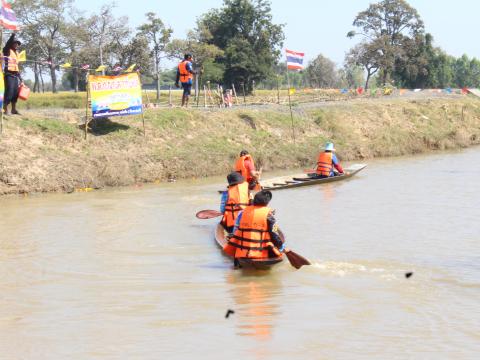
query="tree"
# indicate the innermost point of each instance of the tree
(204, 54)
(322, 73)
(368, 55)
(388, 23)
(44, 22)
(251, 42)
(351, 76)
(159, 36)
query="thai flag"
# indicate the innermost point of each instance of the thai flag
(7, 17)
(294, 60)
(85, 67)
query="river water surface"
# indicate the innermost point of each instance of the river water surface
(132, 274)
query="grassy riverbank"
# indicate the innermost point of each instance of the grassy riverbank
(43, 151)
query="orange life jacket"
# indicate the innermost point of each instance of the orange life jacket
(240, 167)
(325, 163)
(238, 199)
(185, 75)
(12, 61)
(252, 239)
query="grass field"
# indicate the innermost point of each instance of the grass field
(72, 100)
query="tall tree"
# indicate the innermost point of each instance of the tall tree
(45, 21)
(322, 72)
(251, 42)
(368, 55)
(159, 37)
(388, 23)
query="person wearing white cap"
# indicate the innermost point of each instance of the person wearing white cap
(327, 162)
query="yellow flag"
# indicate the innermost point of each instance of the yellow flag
(22, 56)
(66, 65)
(291, 91)
(130, 69)
(101, 68)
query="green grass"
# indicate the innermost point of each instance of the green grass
(50, 125)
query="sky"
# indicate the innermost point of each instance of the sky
(317, 27)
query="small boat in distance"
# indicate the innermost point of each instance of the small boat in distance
(260, 264)
(293, 181)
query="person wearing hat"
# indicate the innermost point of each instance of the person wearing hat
(256, 234)
(11, 72)
(327, 162)
(246, 166)
(185, 77)
(234, 200)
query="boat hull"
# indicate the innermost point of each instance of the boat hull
(260, 264)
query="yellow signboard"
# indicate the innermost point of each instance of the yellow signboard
(119, 95)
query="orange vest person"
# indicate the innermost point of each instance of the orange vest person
(246, 166)
(13, 79)
(255, 234)
(327, 161)
(185, 77)
(234, 200)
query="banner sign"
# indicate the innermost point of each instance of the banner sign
(119, 95)
(2, 89)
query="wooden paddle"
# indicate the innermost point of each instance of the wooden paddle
(208, 214)
(296, 260)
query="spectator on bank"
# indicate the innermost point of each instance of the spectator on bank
(11, 71)
(185, 77)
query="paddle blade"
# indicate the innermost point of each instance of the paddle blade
(297, 261)
(208, 214)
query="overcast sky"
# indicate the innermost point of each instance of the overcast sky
(318, 26)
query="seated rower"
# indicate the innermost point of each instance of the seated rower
(235, 199)
(246, 166)
(327, 162)
(256, 234)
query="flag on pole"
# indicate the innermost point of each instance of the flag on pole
(85, 67)
(66, 66)
(294, 60)
(7, 17)
(101, 68)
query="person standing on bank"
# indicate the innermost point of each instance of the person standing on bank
(185, 77)
(11, 71)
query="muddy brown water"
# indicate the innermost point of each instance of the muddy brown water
(131, 274)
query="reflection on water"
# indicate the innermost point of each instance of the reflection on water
(255, 294)
(132, 274)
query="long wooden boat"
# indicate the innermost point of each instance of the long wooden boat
(260, 264)
(293, 181)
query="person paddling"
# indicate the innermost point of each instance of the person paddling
(327, 162)
(256, 234)
(246, 166)
(234, 200)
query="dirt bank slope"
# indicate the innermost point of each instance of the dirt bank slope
(41, 153)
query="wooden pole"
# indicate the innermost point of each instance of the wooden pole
(87, 107)
(235, 93)
(244, 98)
(278, 90)
(220, 90)
(290, 106)
(199, 88)
(204, 95)
(170, 95)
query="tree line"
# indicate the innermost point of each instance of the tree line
(237, 44)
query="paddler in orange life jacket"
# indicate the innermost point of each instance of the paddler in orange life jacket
(246, 166)
(185, 77)
(256, 234)
(13, 78)
(234, 200)
(327, 162)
